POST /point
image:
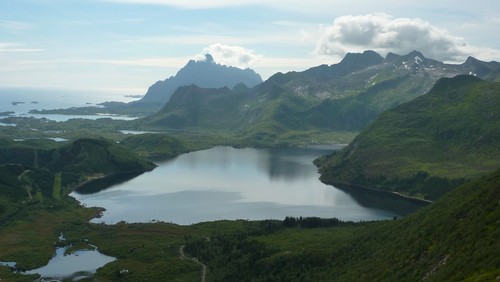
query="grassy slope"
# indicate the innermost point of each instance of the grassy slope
(31, 173)
(90, 155)
(155, 145)
(425, 147)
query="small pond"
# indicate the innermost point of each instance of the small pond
(74, 266)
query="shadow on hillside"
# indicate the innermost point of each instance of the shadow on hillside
(100, 184)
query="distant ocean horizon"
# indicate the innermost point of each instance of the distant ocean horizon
(22, 100)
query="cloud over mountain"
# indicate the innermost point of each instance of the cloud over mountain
(235, 56)
(383, 33)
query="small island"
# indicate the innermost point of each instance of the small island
(8, 113)
(134, 96)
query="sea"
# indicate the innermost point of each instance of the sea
(21, 100)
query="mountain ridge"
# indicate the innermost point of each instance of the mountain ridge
(348, 95)
(341, 97)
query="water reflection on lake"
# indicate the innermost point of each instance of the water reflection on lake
(228, 183)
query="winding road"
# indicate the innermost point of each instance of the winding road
(203, 267)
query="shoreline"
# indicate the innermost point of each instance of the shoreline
(348, 186)
(104, 181)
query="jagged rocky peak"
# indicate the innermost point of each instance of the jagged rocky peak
(416, 57)
(471, 60)
(480, 68)
(353, 62)
(209, 58)
(413, 59)
(415, 53)
(205, 73)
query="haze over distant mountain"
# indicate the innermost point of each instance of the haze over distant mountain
(340, 97)
(206, 74)
(203, 73)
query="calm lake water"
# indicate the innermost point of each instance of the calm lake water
(227, 183)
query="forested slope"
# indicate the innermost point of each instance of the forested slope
(425, 147)
(453, 239)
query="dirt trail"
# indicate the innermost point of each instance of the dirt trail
(203, 267)
(27, 183)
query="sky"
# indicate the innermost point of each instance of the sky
(124, 46)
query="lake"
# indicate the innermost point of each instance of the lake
(227, 183)
(73, 267)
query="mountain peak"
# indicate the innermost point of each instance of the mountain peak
(416, 53)
(209, 58)
(392, 56)
(357, 61)
(480, 68)
(412, 55)
(472, 61)
(368, 56)
(203, 73)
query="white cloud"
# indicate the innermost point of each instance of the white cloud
(268, 66)
(235, 56)
(205, 39)
(14, 26)
(15, 47)
(493, 19)
(190, 4)
(383, 33)
(312, 7)
(141, 62)
(165, 63)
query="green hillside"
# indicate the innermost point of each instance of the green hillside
(427, 146)
(32, 171)
(84, 156)
(154, 145)
(453, 239)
